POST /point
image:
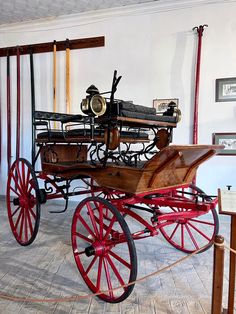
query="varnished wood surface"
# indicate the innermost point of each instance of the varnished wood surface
(138, 122)
(232, 270)
(169, 167)
(61, 45)
(218, 276)
(63, 153)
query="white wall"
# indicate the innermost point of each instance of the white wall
(154, 50)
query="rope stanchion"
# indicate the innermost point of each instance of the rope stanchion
(88, 296)
(218, 275)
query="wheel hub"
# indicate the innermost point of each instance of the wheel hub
(89, 251)
(97, 249)
(25, 201)
(16, 201)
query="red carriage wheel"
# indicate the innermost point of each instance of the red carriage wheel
(23, 201)
(104, 250)
(189, 235)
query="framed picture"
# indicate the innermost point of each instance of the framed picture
(226, 89)
(226, 139)
(161, 105)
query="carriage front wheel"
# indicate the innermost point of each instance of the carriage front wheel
(23, 204)
(104, 250)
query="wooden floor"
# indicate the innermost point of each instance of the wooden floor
(46, 269)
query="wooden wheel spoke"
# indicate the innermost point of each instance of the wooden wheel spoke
(18, 219)
(30, 188)
(174, 231)
(26, 225)
(90, 265)
(22, 223)
(100, 221)
(98, 284)
(27, 178)
(108, 277)
(32, 213)
(17, 184)
(13, 190)
(202, 222)
(23, 173)
(92, 218)
(15, 211)
(121, 281)
(19, 175)
(182, 236)
(199, 231)
(120, 259)
(29, 222)
(86, 226)
(192, 237)
(80, 235)
(110, 227)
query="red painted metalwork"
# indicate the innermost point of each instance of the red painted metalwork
(8, 114)
(23, 202)
(104, 250)
(191, 233)
(200, 30)
(18, 122)
(103, 244)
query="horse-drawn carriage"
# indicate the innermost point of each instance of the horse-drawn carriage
(122, 154)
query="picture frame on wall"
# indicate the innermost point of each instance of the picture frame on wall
(226, 139)
(225, 89)
(161, 105)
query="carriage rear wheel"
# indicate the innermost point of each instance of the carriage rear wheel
(104, 250)
(107, 194)
(190, 235)
(23, 201)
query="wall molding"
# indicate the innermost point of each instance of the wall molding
(92, 17)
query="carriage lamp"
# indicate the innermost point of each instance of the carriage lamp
(98, 105)
(172, 110)
(94, 104)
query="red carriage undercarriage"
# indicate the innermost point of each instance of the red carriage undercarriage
(127, 167)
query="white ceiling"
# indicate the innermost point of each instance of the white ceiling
(13, 11)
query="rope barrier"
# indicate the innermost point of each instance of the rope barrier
(226, 247)
(90, 295)
(87, 296)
